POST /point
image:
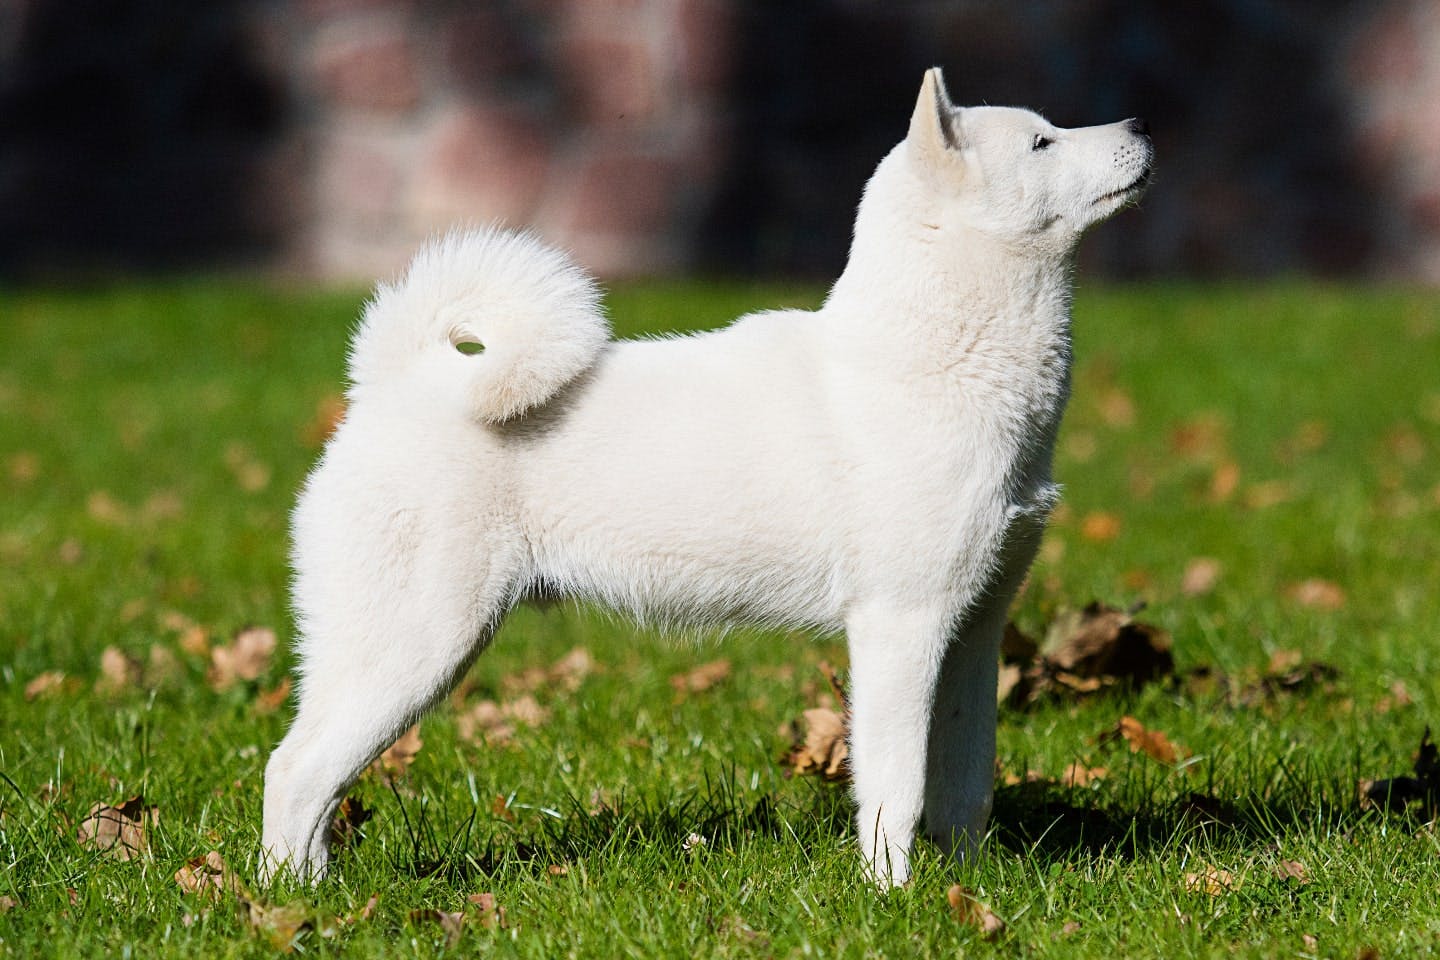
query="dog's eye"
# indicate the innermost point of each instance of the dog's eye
(1041, 142)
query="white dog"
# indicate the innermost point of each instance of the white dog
(881, 465)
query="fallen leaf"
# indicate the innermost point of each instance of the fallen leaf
(1399, 696)
(251, 475)
(822, 748)
(118, 672)
(208, 876)
(350, 816)
(495, 723)
(566, 673)
(329, 412)
(1079, 775)
(1117, 409)
(570, 670)
(1311, 942)
(268, 701)
(105, 508)
(118, 832)
(193, 638)
(1102, 641)
(1152, 743)
(244, 659)
(1100, 527)
(8, 903)
(967, 909)
(500, 808)
(49, 684)
(701, 678)
(491, 914)
(395, 762)
(161, 666)
(451, 924)
(279, 924)
(1070, 928)
(1317, 594)
(1201, 438)
(24, 467)
(367, 911)
(1224, 481)
(1201, 576)
(1292, 871)
(1212, 881)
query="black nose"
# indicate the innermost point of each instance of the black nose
(1140, 128)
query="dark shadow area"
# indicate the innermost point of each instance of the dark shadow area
(1038, 820)
(136, 134)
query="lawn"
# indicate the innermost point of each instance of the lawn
(1259, 466)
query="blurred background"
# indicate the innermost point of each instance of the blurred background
(326, 138)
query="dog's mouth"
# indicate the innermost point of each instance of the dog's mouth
(1129, 192)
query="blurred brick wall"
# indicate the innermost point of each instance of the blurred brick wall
(329, 137)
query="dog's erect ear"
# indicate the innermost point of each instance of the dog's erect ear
(932, 125)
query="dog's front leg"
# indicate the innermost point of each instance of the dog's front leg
(895, 657)
(960, 758)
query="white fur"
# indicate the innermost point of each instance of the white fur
(881, 466)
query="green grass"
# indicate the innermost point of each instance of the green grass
(152, 437)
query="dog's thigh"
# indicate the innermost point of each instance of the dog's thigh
(895, 657)
(382, 639)
(960, 757)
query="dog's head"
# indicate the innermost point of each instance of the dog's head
(1012, 175)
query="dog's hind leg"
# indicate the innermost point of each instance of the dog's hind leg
(374, 658)
(895, 656)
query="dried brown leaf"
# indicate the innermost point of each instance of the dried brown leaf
(279, 924)
(450, 923)
(1152, 743)
(966, 908)
(118, 671)
(1201, 576)
(496, 723)
(1317, 594)
(395, 762)
(1080, 775)
(1224, 481)
(268, 701)
(489, 913)
(50, 683)
(823, 748)
(500, 808)
(208, 877)
(244, 659)
(350, 816)
(701, 678)
(1102, 641)
(1212, 881)
(329, 412)
(122, 832)
(1292, 871)
(566, 673)
(1100, 527)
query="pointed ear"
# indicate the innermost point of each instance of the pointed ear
(932, 125)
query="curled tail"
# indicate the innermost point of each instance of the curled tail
(498, 314)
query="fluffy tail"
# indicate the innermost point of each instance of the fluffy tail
(500, 314)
